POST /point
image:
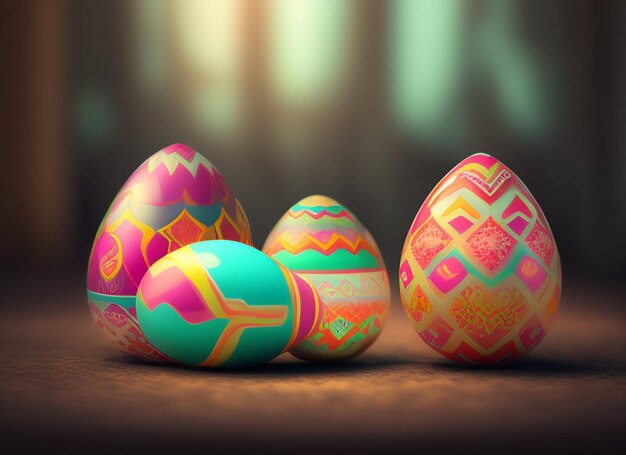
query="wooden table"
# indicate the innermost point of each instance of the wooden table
(63, 385)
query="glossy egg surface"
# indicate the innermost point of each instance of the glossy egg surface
(223, 304)
(321, 240)
(176, 197)
(480, 275)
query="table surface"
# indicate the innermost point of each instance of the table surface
(63, 384)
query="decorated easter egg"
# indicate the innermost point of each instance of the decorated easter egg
(224, 304)
(176, 197)
(480, 275)
(321, 240)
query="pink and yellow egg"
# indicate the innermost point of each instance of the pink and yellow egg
(175, 198)
(480, 275)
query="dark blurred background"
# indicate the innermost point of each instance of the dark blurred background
(368, 102)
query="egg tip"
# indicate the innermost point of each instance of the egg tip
(178, 147)
(482, 158)
(481, 154)
(316, 200)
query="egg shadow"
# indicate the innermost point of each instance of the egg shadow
(534, 367)
(527, 367)
(276, 367)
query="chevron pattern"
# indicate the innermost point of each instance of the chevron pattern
(322, 241)
(480, 275)
(319, 224)
(175, 198)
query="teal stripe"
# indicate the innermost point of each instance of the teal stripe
(318, 208)
(125, 301)
(339, 260)
(510, 268)
(206, 214)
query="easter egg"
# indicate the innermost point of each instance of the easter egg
(224, 304)
(176, 197)
(321, 240)
(480, 275)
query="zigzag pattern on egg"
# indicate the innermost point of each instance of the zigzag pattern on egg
(480, 273)
(175, 198)
(323, 241)
(318, 213)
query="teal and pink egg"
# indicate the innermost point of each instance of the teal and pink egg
(176, 197)
(224, 304)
